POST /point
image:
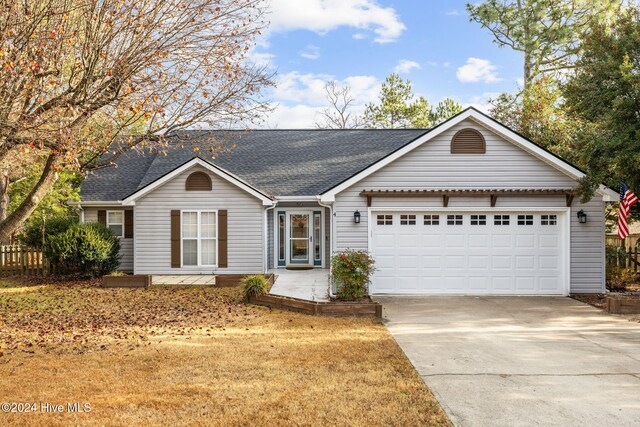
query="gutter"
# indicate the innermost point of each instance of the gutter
(330, 207)
(94, 203)
(266, 235)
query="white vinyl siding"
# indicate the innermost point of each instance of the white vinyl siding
(126, 245)
(432, 166)
(152, 225)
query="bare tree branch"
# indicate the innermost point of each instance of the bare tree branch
(339, 114)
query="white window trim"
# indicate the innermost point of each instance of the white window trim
(108, 223)
(198, 238)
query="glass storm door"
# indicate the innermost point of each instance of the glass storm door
(300, 237)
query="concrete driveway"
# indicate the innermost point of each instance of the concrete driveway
(521, 361)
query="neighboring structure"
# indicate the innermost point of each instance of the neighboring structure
(468, 207)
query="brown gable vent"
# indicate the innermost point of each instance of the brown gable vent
(468, 141)
(198, 181)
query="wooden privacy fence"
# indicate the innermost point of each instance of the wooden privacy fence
(17, 259)
(623, 254)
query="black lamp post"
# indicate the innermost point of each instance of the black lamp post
(582, 217)
(356, 217)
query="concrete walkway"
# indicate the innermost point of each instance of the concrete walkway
(185, 279)
(311, 285)
(521, 361)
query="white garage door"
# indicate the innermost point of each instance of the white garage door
(468, 253)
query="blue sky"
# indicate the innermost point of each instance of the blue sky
(360, 42)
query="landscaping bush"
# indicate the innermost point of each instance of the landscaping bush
(34, 233)
(254, 286)
(351, 272)
(619, 278)
(88, 249)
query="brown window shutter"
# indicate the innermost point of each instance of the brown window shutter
(128, 224)
(102, 217)
(222, 238)
(175, 239)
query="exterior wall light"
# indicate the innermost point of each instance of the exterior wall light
(356, 217)
(582, 217)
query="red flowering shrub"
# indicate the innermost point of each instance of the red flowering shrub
(351, 272)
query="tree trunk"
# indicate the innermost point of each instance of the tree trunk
(12, 222)
(4, 195)
(527, 70)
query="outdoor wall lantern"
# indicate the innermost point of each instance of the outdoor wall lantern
(582, 217)
(356, 217)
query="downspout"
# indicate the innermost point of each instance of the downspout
(330, 207)
(266, 236)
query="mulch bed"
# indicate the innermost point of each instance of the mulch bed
(596, 300)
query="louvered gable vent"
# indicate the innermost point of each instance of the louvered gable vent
(468, 141)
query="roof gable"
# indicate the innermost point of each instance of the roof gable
(484, 121)
(130, 200)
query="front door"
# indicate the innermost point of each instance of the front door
(300, 238)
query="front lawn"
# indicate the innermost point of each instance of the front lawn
(197, 356)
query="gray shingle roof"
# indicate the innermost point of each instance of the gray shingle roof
(276, 162)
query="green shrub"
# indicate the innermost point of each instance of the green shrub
(89, 249)
(254, 285)
(34, 233)
(619, 278)
(351, 272)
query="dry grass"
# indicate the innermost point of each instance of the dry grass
(207, 360)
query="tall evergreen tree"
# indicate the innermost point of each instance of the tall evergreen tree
(546, 32)
(399, 107)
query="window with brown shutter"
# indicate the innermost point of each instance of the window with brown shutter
(198, 181)
(222, 238)
(128, 224)
(468, 141)
(175, 239)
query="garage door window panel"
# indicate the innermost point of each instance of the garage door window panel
(478, 220)
(501, 219)
(454, 219)
(432, 220)
(549, 220)
(384, 219)
(407, 220)
(525, 219)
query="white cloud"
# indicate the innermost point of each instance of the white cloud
(311, 52)
(478, 70)
(453, 13)
(405, 66)
(302, 96)
(260, 58)
(309, 88)
(292, 117)
(359, 36)
(520, 82)
(322, 16)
